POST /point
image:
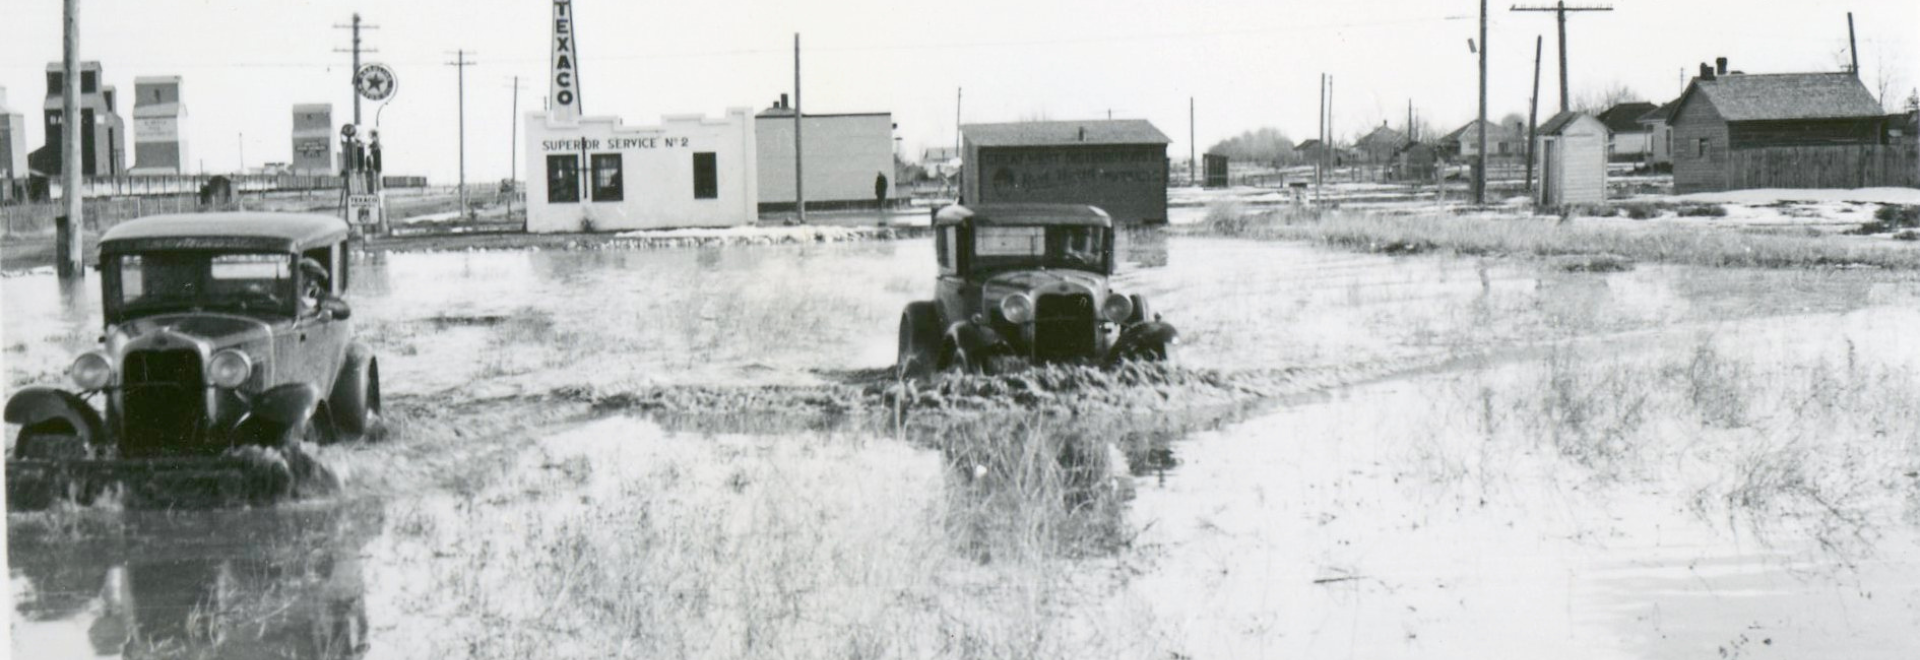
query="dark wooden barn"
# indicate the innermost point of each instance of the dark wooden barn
(1119, 165)
(1784, 130)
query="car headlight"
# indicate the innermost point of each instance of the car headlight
(1116, 308)
(1017, 307)
(229, 368)
(91, 371)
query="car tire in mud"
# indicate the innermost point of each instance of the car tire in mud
(919, 341)
(353, 408)
(47, 441)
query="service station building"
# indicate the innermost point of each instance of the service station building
(594, 174)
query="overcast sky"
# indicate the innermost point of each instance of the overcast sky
(1247, 63)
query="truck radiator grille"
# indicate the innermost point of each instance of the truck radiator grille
(164, 403)
(1064, 327)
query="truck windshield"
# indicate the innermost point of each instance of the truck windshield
(1059, 246)
(140, 284)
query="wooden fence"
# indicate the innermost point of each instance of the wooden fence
(100, 214)
(1824, 166)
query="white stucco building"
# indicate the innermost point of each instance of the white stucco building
(595, 174)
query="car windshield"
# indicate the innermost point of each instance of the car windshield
(1055, 246)
(140, 284)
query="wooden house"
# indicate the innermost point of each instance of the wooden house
(1782, 130)
(1627, 138)
(1572, 153)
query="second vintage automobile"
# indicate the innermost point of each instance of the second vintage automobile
(1026, 283)
(227, 349)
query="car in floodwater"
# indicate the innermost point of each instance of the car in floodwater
(228, 348)
(1026, 283)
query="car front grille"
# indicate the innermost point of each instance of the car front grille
(163, 402)
(1063, 327)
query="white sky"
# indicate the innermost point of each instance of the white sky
(1248, 63)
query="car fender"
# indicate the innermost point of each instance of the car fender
(1147, 333)
(287, 405)
(36, 405)
(976, 338)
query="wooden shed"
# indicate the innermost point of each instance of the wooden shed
(1572, 153)
(1735, 131)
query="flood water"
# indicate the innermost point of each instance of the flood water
(1534, 463)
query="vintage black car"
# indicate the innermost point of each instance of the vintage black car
(227, 348)
(1025, 283)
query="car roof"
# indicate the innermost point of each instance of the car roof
(1018, 215)
(246, 230)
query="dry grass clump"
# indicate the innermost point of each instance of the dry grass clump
(1827, 449)
(1475, 235)
(963, 542)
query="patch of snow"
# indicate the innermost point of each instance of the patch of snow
(1772, 195)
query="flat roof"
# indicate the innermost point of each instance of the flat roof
(242, 230)
(1023, 215)
(1064, 133)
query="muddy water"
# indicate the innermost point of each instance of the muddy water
(1367, 521)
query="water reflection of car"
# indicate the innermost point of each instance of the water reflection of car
(235, 584)
(1026, 282)
(227, 346)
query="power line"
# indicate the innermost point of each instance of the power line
(1560, 10)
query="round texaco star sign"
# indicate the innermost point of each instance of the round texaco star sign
(375, 82)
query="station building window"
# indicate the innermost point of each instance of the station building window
(563, 179)
(609, 182)
(706, 176)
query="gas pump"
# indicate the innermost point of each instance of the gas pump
(362, 198)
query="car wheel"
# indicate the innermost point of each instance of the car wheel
(354, 404)
(919, 335)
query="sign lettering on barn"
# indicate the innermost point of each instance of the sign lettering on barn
(565, 90)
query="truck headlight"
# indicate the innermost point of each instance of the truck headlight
(91, 371)
(229, 368)
(1116, 308)
(1017, 307)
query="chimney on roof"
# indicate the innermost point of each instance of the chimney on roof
(1720, 66)
(1706, 71)
(1083, 134)
(783, 102)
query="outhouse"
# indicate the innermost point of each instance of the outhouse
(1571, 156)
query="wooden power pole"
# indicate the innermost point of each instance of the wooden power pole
(1560, 10)
(69, 251)
(799, 184)
(1853, 48)
(356, 27)
(460, 64)
(1480, 159)
(1533, 109)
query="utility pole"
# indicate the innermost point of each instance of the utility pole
(241, 141)
(1853, 47)
(1331, 140)
(513, 152)
(1320, 160)
(1480, 159)
(799, 183)
(460, 64)
(1533, 109)
(958, 96)
(356, 27)
(70, 253)
(1192, 149)
(1560, 10)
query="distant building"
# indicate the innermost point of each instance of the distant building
(1118, 165)
(1572, 155)
(1659, 129)
(843, 154)
(159, 146)
(1216, 170)
(1416, 161)
(1502, 141)
(313, 138)
(595, 174)
(1723, 119)
(1379, 146)
(1627, 138)
(13, 149)
(103, 134)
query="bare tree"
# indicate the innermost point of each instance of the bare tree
(1595, 100)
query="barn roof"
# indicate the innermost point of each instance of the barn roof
(1625, 117)
(1664, 113)
(1776, 96)
(1051, 133)
(1499, 131)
